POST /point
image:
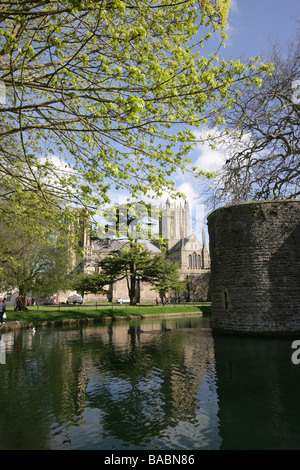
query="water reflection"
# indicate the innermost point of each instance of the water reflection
(121, 385)
(258, 391)
(153, 384)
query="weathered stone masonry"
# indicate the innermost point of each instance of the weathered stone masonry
(255, 267)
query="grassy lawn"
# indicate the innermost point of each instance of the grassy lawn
(55, 313)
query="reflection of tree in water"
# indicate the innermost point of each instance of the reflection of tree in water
(44, 379)
(140, 399)
(140, 382)
(67, 381)
(32, 388)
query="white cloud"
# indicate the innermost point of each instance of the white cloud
(188, 189)
(210, 160)
(58, 175)
(58, 164)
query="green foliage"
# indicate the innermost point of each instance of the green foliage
(109, 87)
(89, 283)
(127, 263)
(31, 263)
(136, 264)
(164, 275)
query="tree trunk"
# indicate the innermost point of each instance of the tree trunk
(22, 293)
(132, 284)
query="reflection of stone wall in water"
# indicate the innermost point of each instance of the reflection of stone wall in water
(259, 406)
(255, 266)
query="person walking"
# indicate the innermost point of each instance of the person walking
(18, 303)
(4, 308)
(1, 311)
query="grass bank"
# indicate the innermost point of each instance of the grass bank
(55, 313)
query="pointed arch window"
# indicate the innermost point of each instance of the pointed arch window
(194, 261)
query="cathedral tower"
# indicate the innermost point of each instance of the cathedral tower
(175, 223)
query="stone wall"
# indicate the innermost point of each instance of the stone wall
(145, 294)
(255, 267)
(198, 288)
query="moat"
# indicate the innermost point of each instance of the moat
(160, 384)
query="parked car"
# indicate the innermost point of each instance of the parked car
(123, 300)
(74, 299)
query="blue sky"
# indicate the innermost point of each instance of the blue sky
(253, 25)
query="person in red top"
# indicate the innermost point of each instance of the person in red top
(18, 303)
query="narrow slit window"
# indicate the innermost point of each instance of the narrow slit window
(226, 299)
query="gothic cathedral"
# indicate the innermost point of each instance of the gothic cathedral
(182, 246)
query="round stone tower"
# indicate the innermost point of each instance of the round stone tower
(255, 267)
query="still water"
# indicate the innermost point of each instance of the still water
(154, 384)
